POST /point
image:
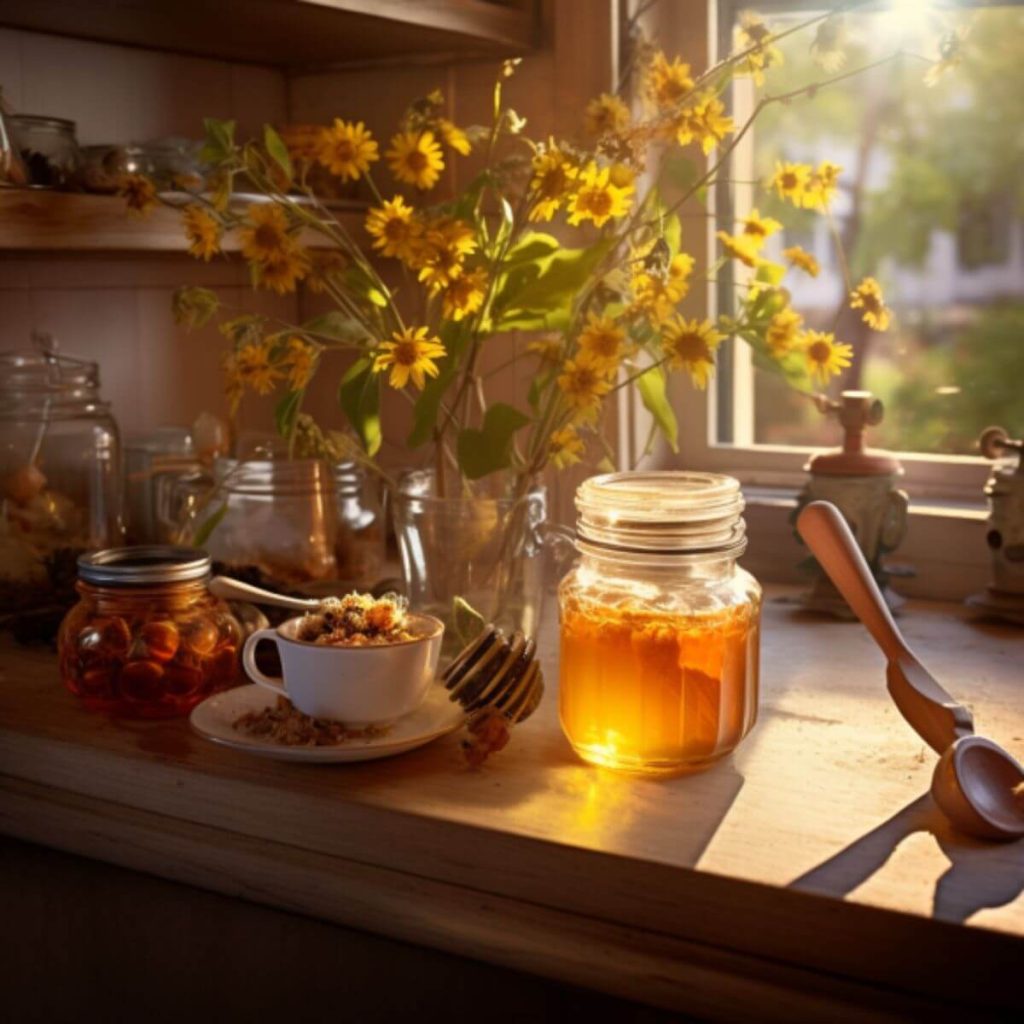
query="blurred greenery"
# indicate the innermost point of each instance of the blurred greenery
(945, 158)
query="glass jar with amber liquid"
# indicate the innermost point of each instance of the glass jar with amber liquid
(147, 639)
(659, 625)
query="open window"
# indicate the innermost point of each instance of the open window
(931, 203)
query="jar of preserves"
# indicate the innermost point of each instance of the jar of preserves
(659, 625)
(60, 480)
(147, 639)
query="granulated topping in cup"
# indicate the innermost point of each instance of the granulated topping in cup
(357, 620)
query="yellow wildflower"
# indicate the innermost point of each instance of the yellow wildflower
(754, 35)
(797, 257)
(395, 229)
(265, 235)
(416, 159)
(139, 194)
(667, 82)
(454, 137)
(704, 122)
(282, 271)
(606, 115)
(868, 296)
(300, 358)
(783, 329)
(410, 354)
(446, 244)
(553, 177)
(829, 42)
(597, 199)
(656, 293)
(324, 267)
(825, 356)
(951, 47)
(253, 368)
(583, 384)
(690, 345)
(302, 141)
(821, 186)
(465, 295)
(740, 248)
(565, 447)
(347, 149)
(203, 232)
(756, 229)
(549, 348)
(790, 181)
(603, 342)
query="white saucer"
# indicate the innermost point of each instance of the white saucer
(213, 719)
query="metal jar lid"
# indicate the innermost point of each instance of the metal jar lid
(144, 563)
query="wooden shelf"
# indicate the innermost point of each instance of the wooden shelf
(42, 221)
(808, 877)
(291, 33)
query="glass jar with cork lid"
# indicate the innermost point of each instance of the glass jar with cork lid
(659, 625)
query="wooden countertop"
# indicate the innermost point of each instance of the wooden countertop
(807, 877)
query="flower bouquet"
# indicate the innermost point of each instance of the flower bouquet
(565, 251)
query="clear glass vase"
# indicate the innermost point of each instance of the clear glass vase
(479, 553)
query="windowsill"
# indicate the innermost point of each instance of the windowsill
(944, 545)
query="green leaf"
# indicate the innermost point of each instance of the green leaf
(672, 232)
(490, 448)
(359, 397)
(337, 326)
(203, 533)
(466, 620)
(285, 412)
(278, 151)
(553, 288)
(532, 246)
(538, 385)
(194, 307)
(653, 390)
(770, 273)
(533, 320)
(219, 144)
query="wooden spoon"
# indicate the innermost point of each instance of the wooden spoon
(977, 784)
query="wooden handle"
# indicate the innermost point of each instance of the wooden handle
(235, 590)
(825, 532)
(934, 714)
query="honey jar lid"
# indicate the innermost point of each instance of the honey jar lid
(144, 564)
(662, 511)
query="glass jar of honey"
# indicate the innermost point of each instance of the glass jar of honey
(147, 639)
(659, 625)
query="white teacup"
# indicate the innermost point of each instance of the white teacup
(356, 685)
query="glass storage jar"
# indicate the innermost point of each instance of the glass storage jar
(147, 639)
(48, 149)
(659, 626)
(266, 521)
(60, 476)
(359, 547)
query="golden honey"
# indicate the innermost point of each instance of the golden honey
(659, 625)
(648, 691)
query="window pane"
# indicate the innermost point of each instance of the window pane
(931, 203)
